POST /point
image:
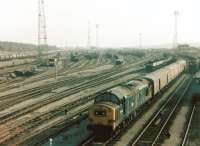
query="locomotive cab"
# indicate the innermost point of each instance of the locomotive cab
(113, 107)
(105, 113)
(103, 117)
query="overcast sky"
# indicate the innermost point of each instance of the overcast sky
(120, 21)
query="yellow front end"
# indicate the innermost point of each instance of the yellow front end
(103, 116)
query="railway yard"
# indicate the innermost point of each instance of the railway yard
(152, 98)
(99, 73)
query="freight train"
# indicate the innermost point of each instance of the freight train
(153, 65)
(115, 107)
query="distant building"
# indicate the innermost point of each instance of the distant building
(184, 47)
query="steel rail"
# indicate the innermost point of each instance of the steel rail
(157, 114)
(188, 126)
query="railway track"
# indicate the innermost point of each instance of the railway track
(8, 85)
(157, 129)
(17, 97)
(130, 140)
(88, 141)
(98, 80)
(51, 73)
(39, 118)
(50, 114)
(57, 124)
(191, 135)
(14, 98)
(80, 66)
(188, 126)
(90, 64)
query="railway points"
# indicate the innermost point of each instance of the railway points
(98, 123)
(191, 134)
(13, 111)
(98, 73)
(40, 104)
(133, 130)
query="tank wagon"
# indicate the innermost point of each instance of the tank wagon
(115, 107)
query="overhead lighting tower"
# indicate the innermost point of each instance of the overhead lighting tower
(175, 43)
(97, 36)
(140, 40)
(42, 33)
(89, 36)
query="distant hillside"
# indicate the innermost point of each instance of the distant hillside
(16, 47)
(169, 46)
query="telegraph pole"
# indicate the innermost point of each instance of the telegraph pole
(175, 43)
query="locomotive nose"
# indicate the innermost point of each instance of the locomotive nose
(100, 113)
(101, 117)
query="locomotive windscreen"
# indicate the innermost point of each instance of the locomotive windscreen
(100, 113)
(107, 97)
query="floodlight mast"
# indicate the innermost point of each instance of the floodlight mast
(42, 33)
(89, 36)
(97, 36)
(140, 40)
(175, 42)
